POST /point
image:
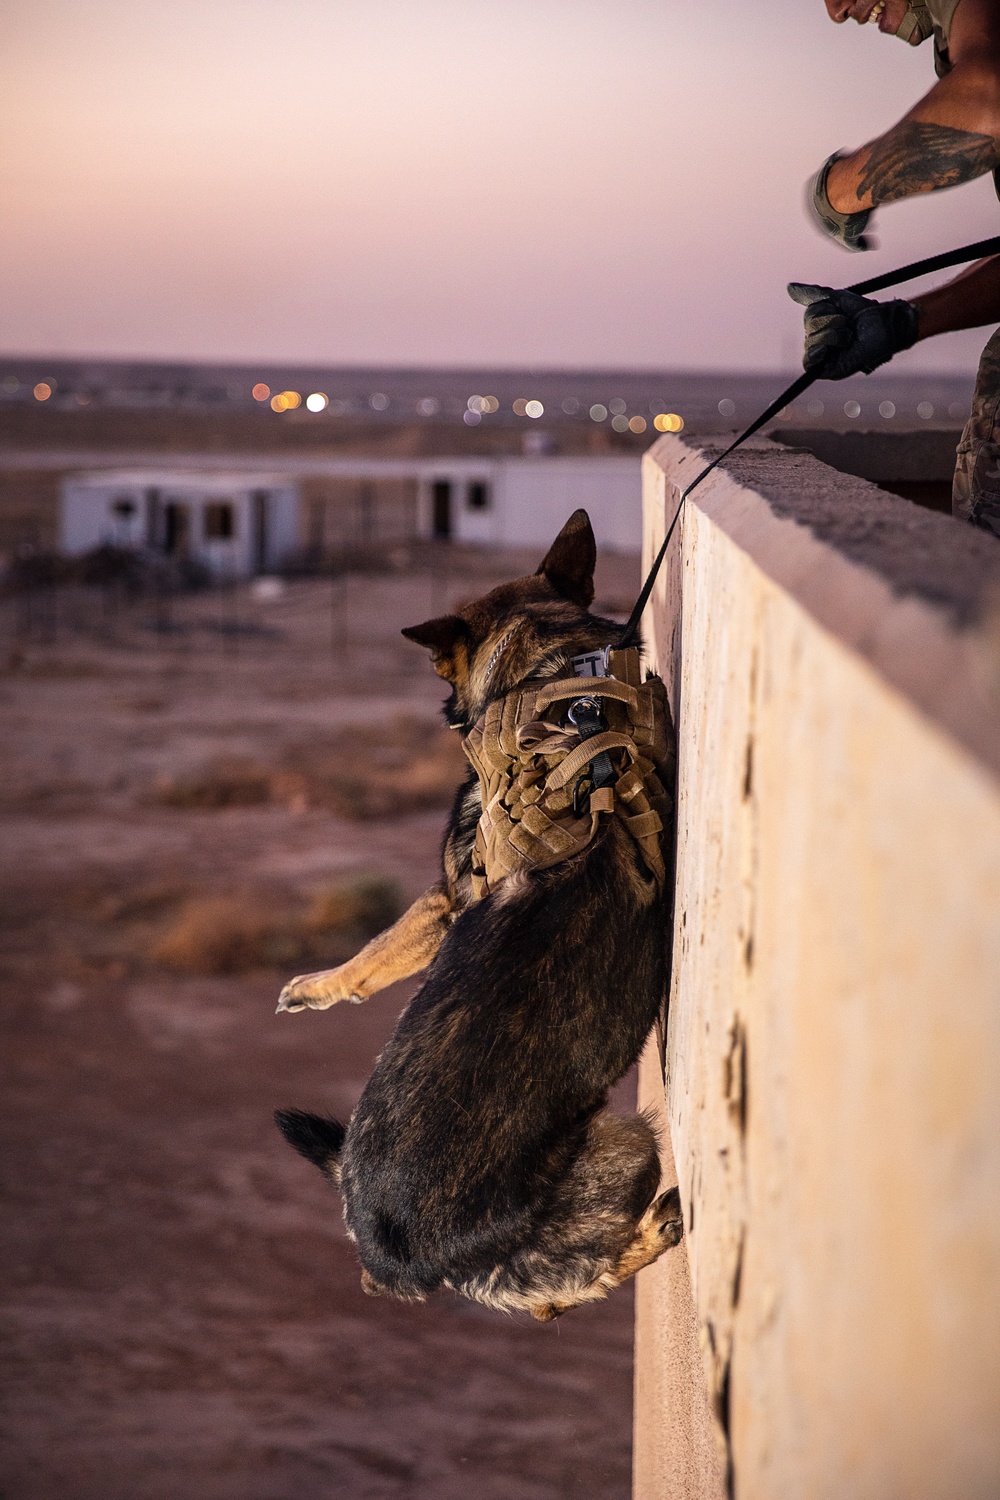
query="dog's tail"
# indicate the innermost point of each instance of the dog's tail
(319, 1140)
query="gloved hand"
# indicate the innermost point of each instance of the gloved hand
(846, 229)
(846, 333)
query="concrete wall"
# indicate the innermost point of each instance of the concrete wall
(833, 1049)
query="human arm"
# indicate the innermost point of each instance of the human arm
(846, 333)
(950, 136)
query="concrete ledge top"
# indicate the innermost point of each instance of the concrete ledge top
(915, 592)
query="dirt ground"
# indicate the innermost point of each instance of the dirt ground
(182, 1312)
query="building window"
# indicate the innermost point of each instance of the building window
(477, 496)
(441, 508)
(219, 521)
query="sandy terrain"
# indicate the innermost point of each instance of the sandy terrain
(182, 1312)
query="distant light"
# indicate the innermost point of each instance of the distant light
(11, 384)
(727, 408)
(490, 404)
(956, 409)
(379, 401)
(815, 408)
(472, 418)
(656, 408)
(620, 423)
(286, 401)
(475, 403)
(852, 409)
(534, 409)
(519, 407)
(428, 406)
(668, 421)
(260, 392)
(43, 391)
(571, 406)
(598, 413)
(925, 410)
(317, 401)
(618, 406)
(886, 409)
(637, 424)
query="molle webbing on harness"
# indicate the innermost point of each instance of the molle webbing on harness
(539, 806)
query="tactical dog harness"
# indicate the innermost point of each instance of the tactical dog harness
(554, 756)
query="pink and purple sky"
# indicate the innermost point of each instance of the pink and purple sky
(551, 182)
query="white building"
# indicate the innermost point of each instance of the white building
(235, 524)
(240, 522)
(522, 502)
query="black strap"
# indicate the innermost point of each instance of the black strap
(959, 257)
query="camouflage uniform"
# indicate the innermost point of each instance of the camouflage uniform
(975, 494)
(975, 491)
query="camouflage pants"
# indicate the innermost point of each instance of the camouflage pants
(975, 493)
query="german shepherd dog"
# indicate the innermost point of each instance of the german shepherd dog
(481, 1155)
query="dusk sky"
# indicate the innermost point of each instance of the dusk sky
(550, 182)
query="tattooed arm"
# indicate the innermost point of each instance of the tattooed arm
(969, 301)
(951, 136)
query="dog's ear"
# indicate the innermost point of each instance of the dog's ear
(447, 639)
(570, 561)
(318, 1140)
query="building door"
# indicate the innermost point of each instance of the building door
(441, 510)
(176, 529)
(260, 531)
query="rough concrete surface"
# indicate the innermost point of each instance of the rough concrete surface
(833, 1058)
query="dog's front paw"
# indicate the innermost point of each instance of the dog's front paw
(319, 991)
(669, 1216)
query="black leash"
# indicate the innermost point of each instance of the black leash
(959, 257)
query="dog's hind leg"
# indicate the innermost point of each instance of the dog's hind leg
(403, 949)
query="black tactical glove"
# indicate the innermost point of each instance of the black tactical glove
(847, 229)
(846, 333)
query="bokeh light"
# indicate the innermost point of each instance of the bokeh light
(571, 406)
(379, 401)
(598, 413)
(534, 409)
(668, 421)
(519, 407)
(428, 406)
(317, 401)
(886, 409)
(637, 424)
(43, 391)
(924, 410)
(286, 401)
(727, 408)
(619, 423)
(618, 407)
(852, 409)
(261, 392)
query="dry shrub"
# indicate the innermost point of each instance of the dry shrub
(362, 772)
(226, 782)
(234, 934)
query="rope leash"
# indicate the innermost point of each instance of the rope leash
(977, 251)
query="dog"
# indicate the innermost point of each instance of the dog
(482, 1156)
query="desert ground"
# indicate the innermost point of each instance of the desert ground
(200, 796)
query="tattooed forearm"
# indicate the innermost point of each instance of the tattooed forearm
(917, 157)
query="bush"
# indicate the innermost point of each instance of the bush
(236, 934)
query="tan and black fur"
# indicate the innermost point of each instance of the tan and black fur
(481, 1155)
